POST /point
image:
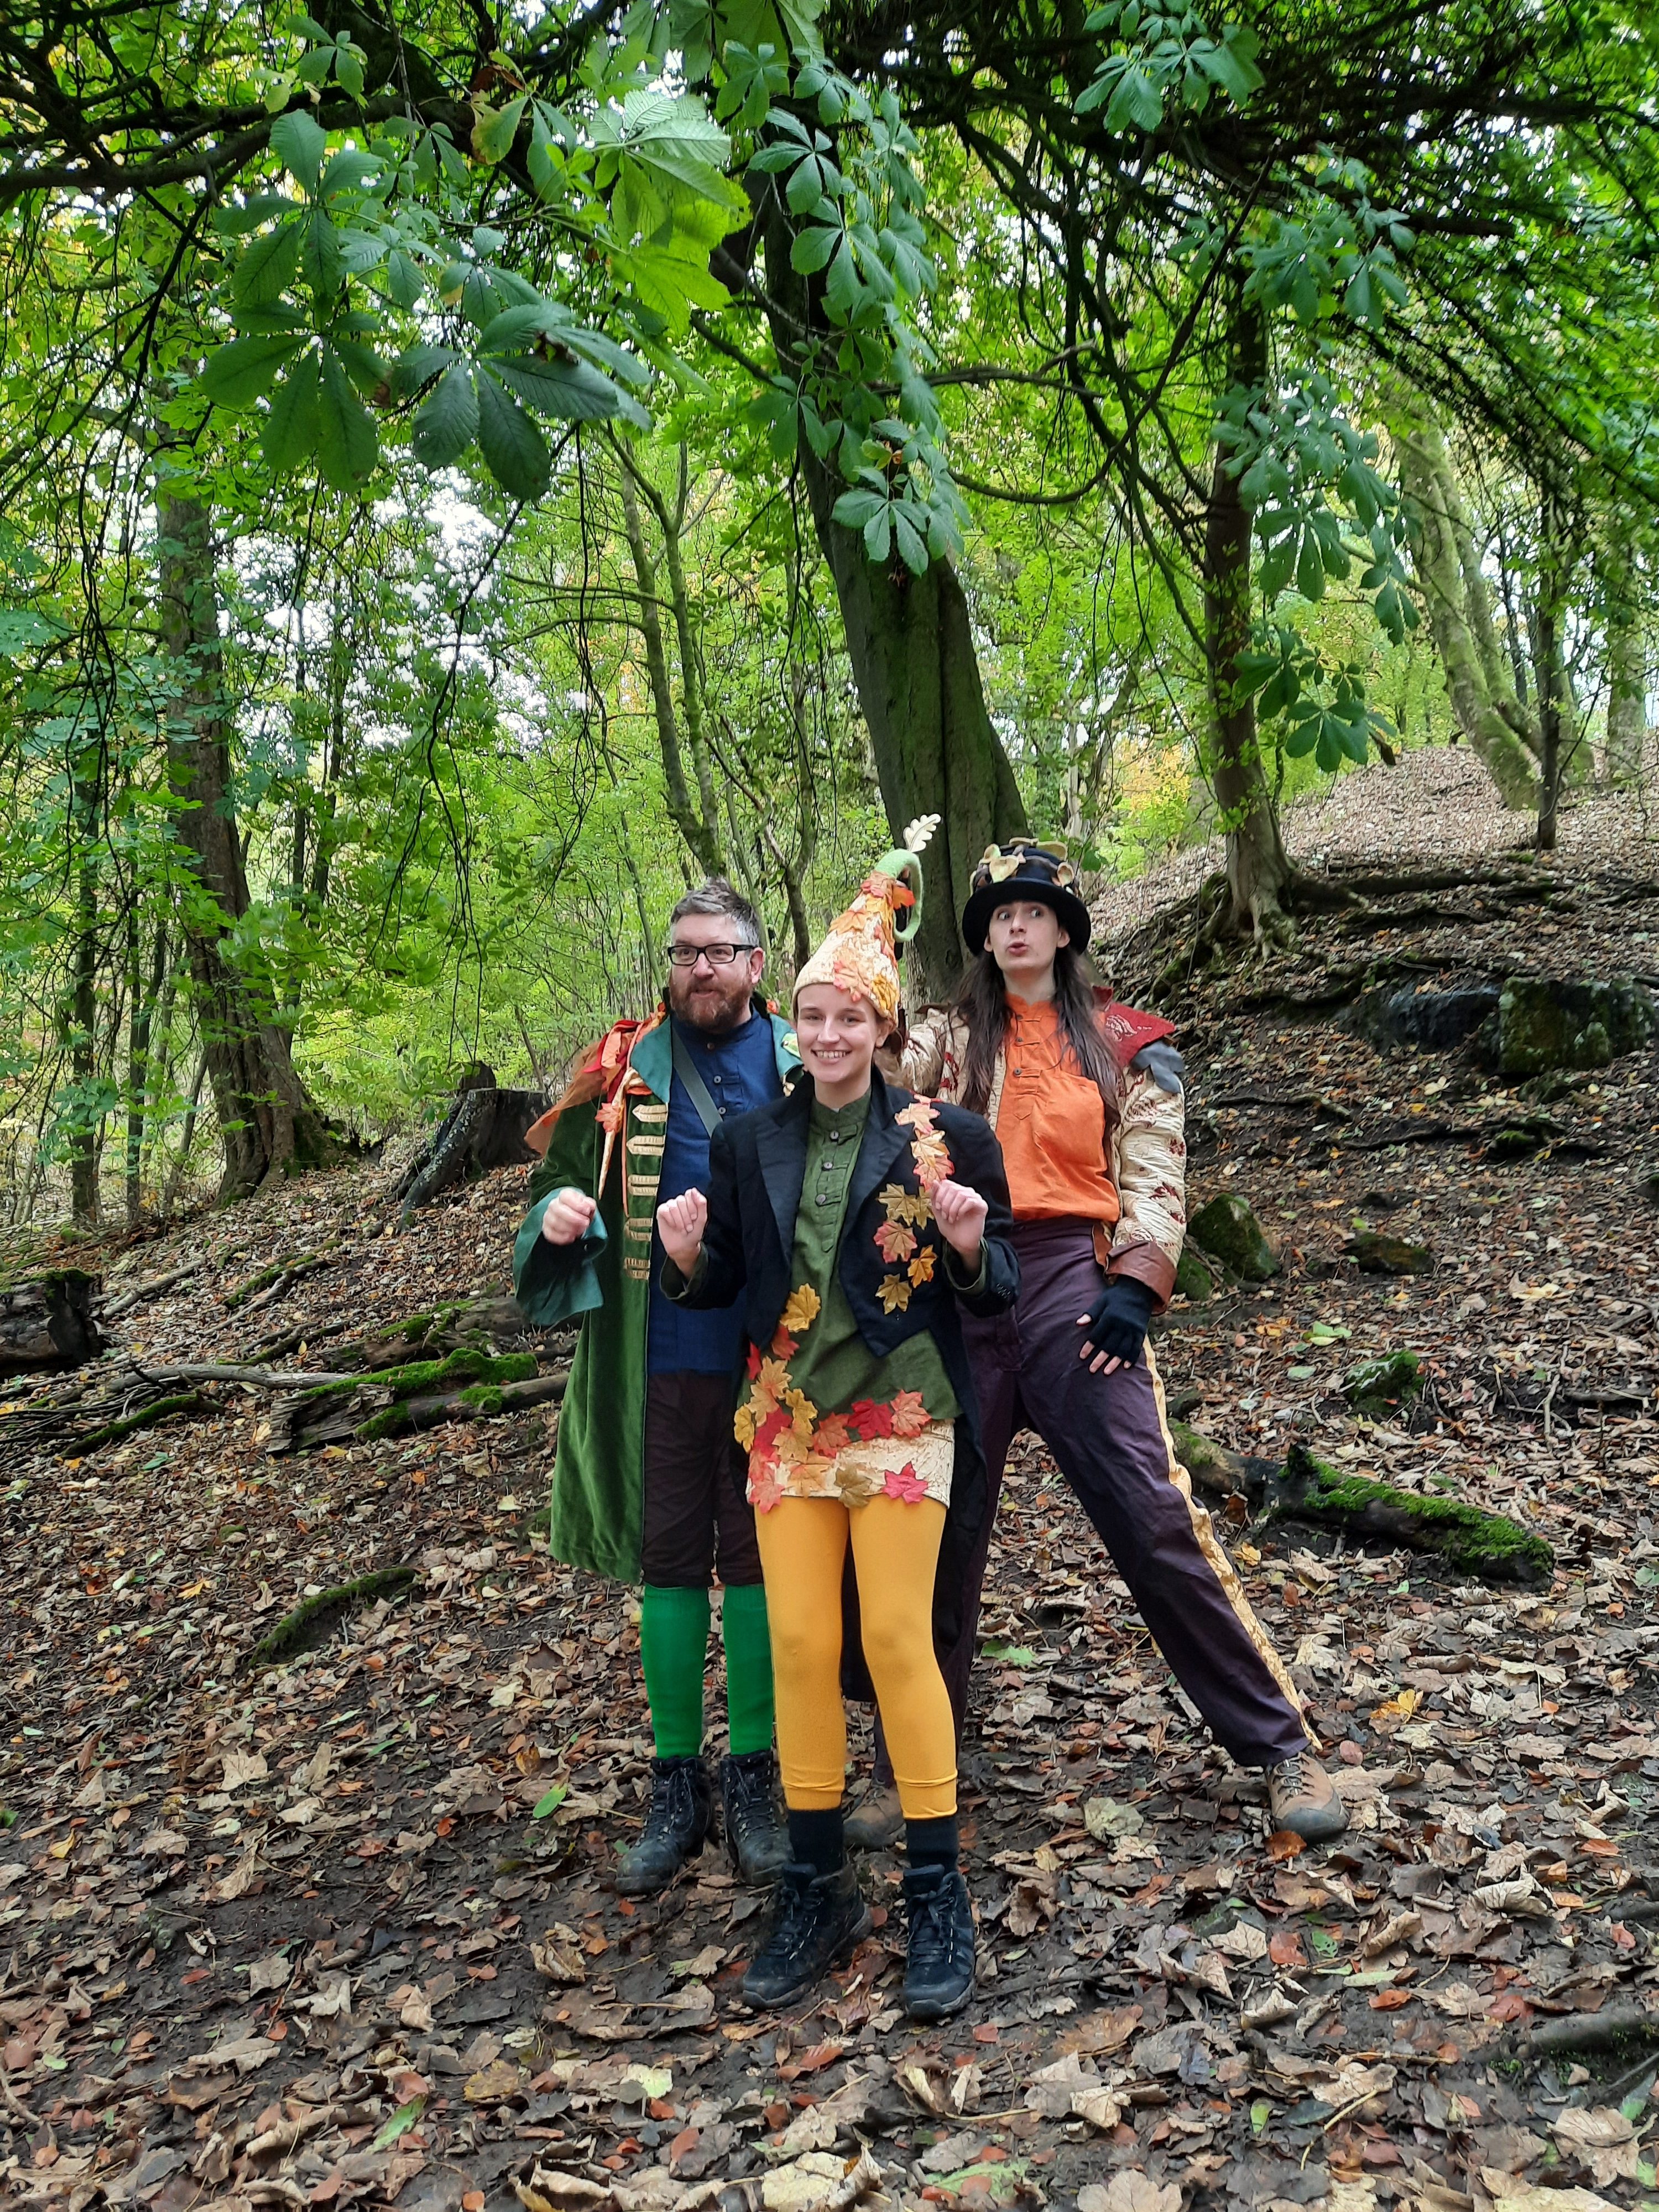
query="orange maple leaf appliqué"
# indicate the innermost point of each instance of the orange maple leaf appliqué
(894, 1242)
(910, 1415)
(928, 1147)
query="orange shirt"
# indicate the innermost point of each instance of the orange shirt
(1051, 1124)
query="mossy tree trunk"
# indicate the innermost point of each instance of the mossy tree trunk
(267, 1122)
(1627, 691)
(911, 643)
(1557, 718)
(1458, 605)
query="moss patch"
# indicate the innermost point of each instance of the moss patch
(1229, 1232)
(314, 1621)
(1488, 1546)
(1376, 1253)
(1376, 1389)
(429, 1378)
(1211, 1465)
(185, 1401)
(305, 1264)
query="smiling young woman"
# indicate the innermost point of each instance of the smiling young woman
(855, 1220)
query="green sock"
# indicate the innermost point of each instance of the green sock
(673, 1651)
(748, 1667)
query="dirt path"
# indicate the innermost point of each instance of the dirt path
(299, 1937)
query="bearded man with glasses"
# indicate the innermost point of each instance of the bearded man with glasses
(649, 1483)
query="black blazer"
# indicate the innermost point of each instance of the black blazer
(757, 1163)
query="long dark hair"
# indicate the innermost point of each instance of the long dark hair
(983, 999)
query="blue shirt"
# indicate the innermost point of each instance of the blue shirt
(741, 1073)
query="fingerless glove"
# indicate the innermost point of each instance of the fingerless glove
(1118, 1319)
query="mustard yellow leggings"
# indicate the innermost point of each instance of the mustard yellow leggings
(803, 1545)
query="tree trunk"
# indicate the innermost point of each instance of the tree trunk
(1258, 873)
(911, 644)
(1554, 568)
(267, 1122)
(1627, 693)
(84, 1007)
(1459, 609)
(186, 1139)
(141, 1019)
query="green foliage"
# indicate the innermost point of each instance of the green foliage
(1161, 57)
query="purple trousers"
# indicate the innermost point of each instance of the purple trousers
(1110, 1437)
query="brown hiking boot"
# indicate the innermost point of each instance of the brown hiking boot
(877, 1822)
(1304, 1799)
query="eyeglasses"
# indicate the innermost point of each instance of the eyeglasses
(717, 956)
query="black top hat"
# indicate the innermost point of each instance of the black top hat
(1024, 870)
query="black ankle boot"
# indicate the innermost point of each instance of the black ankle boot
(755, 1836)
(938, 1966)
(682, 1808)
(817, 1918)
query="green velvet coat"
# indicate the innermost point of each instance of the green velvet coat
(599, 1472)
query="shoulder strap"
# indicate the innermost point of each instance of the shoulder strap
(696, 1089)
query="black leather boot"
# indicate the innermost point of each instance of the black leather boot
(755, 1837)
(817, 1919)
(682, 1808)
(938, 1965)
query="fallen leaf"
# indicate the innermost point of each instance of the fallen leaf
(1104, 1818)
(819, 2183)
(1099, 2034)
(398, 2123)
(495, 2083)
(1508, 2191)
(547, 2190)
(1129, 2191)
(272, 1974)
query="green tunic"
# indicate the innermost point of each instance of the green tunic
(598, 1481)
(834, 1365)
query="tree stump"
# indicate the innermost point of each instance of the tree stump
(46, 1323)
(483, 1130)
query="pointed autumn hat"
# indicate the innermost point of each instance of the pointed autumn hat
(859, 951)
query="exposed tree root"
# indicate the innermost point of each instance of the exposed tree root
(1211, 934)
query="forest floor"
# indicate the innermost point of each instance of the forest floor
(1438, 803)
(296, 1936)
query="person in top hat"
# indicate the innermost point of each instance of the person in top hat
(647, 1484)
(854, 1220)
(1086, 1101)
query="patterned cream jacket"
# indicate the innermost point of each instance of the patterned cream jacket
(1148, 1144)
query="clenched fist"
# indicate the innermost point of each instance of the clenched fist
(960, 1213)
(680, 1225)
(567, 1215)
